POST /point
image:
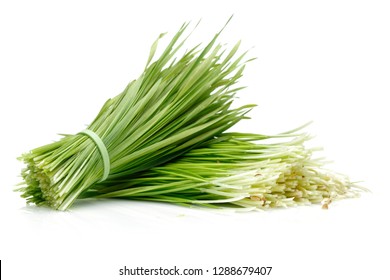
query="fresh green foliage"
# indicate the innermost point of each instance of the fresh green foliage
(248, 171)
(164, 139)
(176, 104)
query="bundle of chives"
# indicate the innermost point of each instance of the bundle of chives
(241, 170)
(175, 105)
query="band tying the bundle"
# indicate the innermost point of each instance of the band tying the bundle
(102, 149)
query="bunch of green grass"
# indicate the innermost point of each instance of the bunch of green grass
(176, 104)
(240, 170)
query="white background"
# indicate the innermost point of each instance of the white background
(326, 61)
